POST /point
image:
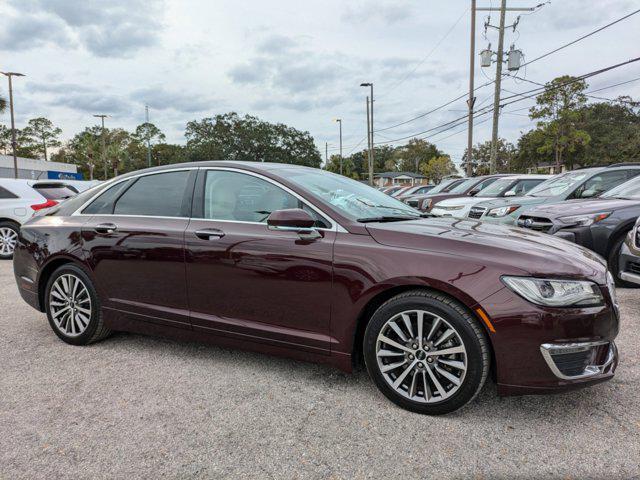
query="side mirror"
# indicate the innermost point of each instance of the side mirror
(473, 192)
(293, 220)
(510, 193)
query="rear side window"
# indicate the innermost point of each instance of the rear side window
(159, 195)
(6, 194)
(55, 191)
(104, 203)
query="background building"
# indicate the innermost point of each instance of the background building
(32, 169)
(387, 179)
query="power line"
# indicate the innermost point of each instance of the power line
(580, 38)
(402, 80)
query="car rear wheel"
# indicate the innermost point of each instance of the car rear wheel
(8, 239)
(73, 307)
(426, 353)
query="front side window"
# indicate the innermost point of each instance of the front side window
(523, 186)
(235, 196)
(159, 195)
(629, 190)
(496, 188)
(600, 183)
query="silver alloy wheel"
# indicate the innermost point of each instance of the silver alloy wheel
(421, 356)
(70, 305)
(8, 240)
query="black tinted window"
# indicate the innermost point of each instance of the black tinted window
(4, 194)
(104, 203)
(55, 192)
(160, 194)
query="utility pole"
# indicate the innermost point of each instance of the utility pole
(13, 122)
(326, 154)
(472, 99)
(496, 95)
(371, 148)
(103, 153)
(146, 116)
(499, 60)
(369, 163)
(339, 120)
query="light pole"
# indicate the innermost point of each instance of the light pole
(104, 158)
(9, 75)
(371, 151)
(339, 120)
(146, 112)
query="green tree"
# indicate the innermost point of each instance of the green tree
(414, 154)
(438, 167)
(481, 157)
(558, 111)
(40, 134)
(231, 137)
(3, 104)
(5, 140)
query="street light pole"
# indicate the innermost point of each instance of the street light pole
(371, 143)
(103, 153)
(13, 122)
(339, 120)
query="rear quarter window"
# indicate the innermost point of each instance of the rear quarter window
(6, 194)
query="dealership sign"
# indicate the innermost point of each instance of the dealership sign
(53, 175)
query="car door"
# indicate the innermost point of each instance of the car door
(247, 281)
(134, 243)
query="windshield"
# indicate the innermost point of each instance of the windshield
(443, 185)
(464, 186)
(560, 185)
(353, 199)
(629, 190)
(496, 188)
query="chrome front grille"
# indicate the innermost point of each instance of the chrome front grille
(539, 224)
(476, 212)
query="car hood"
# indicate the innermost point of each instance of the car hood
(579, 207)
(450, 202)
(513, 250)
(502, 202)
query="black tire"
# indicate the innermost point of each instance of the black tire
(613, 261)
(7, 224)
(95, 329)
(469, 332)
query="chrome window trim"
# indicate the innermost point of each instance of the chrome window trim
(335, 226)
(549, 349)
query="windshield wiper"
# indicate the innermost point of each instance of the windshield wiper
(386, 218)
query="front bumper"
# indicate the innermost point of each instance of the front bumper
(549, 350)
(629, 266)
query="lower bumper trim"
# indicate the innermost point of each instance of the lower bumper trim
(630, 277)
(574, 361)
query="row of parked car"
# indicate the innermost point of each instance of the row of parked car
(20, 199)
(598, 208)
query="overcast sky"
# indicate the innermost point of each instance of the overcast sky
(294, 62)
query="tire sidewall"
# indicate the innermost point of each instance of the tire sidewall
(16, 228)
(475, 373)
(88, 334)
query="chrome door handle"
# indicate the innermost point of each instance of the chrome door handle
(209, 233)
(105, 228)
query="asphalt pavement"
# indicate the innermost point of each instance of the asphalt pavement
(142, 407)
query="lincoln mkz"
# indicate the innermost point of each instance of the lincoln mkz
(299, 262)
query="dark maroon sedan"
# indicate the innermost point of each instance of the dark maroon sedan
(300, 262)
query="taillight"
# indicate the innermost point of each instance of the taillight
(47, 204)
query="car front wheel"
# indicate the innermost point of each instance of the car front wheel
(73, 307)
(426, 353)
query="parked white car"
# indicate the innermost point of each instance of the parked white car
(503, 187)
(20, 199)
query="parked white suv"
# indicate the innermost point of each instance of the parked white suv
(20, 199)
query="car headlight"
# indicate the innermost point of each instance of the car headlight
(556, 293)
(584, 220)
(502, 211)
